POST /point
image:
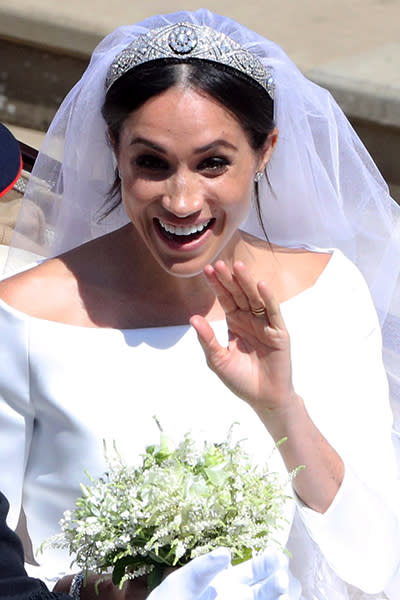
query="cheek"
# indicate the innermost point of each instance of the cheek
(237, 197)
(136, 195)
(230, 195)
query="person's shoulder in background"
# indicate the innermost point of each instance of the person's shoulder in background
(14, 582)
(11, 165)
(16, 163)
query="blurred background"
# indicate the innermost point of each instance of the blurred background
(352, 48)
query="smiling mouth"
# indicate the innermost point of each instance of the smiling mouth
(183, 233)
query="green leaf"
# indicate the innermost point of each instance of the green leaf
(120, 566)
(166, 449)
(217, 474)
(181, 502)
(155, 577)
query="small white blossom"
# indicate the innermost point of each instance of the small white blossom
(181, 502)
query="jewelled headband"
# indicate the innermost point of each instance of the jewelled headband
(187, 40)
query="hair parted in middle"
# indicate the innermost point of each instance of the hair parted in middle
(242, 96)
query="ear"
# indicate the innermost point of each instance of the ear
(266, 152)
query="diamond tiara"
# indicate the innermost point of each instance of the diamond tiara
(187, 40)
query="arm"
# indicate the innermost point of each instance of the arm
(16, 413)
(359, 533)
(342, 436)
(265, 577)
(256, 366)
(14, 582)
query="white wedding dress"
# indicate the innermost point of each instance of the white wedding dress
(65, 389)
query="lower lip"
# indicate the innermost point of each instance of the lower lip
(183, 246)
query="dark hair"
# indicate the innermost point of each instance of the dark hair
(237, 92)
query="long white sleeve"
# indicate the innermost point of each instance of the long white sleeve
(359, 535)
(64, 389)
(16, 412)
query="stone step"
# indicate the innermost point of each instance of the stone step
(353, 50)
(32, 137)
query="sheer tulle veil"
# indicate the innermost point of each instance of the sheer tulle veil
(323, 188)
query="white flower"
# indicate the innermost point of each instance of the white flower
(182, 501)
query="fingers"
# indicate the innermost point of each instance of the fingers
(249, 287)
(259, 295)
(192, 580)
(264, 577)
(229, 294)
(261, 566)
(199, 573)
(279, 586)
(237, 290)
(274, 588)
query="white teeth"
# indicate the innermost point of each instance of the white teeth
(178, 230)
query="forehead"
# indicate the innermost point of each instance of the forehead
(182, 112)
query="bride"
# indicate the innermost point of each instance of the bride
(186, 140)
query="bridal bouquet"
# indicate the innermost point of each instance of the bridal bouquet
(181, 502)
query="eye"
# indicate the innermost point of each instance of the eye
(214, 165)
(151, 163)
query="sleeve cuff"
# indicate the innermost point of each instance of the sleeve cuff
(366, 556)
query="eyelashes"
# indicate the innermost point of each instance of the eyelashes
(215, 163)
(212, 165)
(151, 163)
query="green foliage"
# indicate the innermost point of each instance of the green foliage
(181, 502)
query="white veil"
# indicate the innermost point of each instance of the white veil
(324, 190)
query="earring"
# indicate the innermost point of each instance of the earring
(257, 176)
(119, 174)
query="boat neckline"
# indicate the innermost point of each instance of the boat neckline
(292, 300)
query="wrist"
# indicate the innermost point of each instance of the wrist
(76, 586)
(282, 420)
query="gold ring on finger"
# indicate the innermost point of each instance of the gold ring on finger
(258, 312)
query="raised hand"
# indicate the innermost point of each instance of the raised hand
(256, 364)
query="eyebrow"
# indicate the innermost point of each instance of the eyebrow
(145, 142)
(219, 142)
(158, 148)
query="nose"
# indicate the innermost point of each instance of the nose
(183, 195)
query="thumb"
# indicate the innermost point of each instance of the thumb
(206, 336)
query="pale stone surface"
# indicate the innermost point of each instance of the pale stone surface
(313, 32)
(28, 136)
(366, 85)
(352, 48)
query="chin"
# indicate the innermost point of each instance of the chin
(184, 271)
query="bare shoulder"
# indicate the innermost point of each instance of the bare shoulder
(303, 262)
(290, 270)
(44, 291)
(74, 288)
(299, 260)
(299, 269)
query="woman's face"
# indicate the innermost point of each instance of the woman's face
(187, 173)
